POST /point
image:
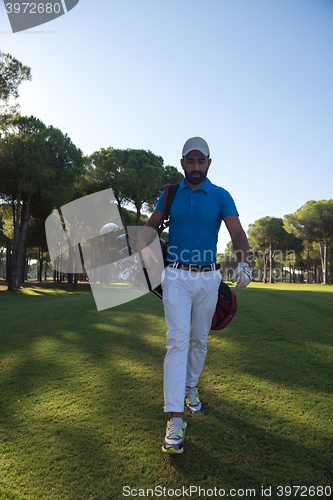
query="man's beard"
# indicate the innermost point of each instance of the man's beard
(196, 177)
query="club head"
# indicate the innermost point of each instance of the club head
(134, 273)
(121, 237)
(137, 267)
(124, 252)
(109, 228)
(121, 265)
(123, 277)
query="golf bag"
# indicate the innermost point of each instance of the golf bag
(226, 303)
(225, 308)
(169, 194)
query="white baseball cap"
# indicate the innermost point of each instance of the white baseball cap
(196, 143)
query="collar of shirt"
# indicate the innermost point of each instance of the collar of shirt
(205, 187)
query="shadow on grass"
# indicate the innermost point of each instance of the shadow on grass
(117, 442)
(283, 337)
(224, 451)
(85, 389)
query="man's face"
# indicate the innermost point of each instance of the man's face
(195, 166)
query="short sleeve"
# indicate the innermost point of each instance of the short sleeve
(160, 203)
(228, 206)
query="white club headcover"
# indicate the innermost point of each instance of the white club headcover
(242, 275)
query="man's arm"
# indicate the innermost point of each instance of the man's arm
(147, 235)
(241, 250)
(238, 238)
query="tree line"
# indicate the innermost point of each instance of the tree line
(298, 247)
(41, 170)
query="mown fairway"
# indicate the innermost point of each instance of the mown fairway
(81, 402)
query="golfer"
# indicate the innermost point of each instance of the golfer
(191, 280)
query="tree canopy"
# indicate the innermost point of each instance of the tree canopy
(41, 169)
(268, 237)
(12, 74)
(314, 222)
(38, 168)
(136, 176)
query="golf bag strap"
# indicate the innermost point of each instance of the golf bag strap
(169, 194)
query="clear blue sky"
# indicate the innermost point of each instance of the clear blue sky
(253, 77)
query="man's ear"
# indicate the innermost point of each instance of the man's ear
(182, 163)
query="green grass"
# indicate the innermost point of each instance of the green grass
(81, 396)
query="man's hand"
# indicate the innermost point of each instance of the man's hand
(242, 275)
(146, 255)
(146, 236)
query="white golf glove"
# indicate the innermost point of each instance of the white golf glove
(242, 275)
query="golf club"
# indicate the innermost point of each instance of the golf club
(122, 237)
(124, 252)
(121, 265)
(123, 277)
(110, 227)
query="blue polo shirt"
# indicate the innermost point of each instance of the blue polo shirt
(195, 221)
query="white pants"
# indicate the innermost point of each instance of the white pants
(189, 300)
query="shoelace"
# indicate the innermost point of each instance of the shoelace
(174, 428)
(191, 393)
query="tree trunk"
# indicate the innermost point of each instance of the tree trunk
(271, 277)
(41, 258)
(14, 261)
(323, 257)
(24, 268)
(138, 215)
(8, 256)
(21, 244)
(324, 263)
(119, 201)
(1, 263)
(120, 209)
(265, 269)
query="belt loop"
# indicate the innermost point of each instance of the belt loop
(212, 266)
(175, 265)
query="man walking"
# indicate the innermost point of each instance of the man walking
(191, 280)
